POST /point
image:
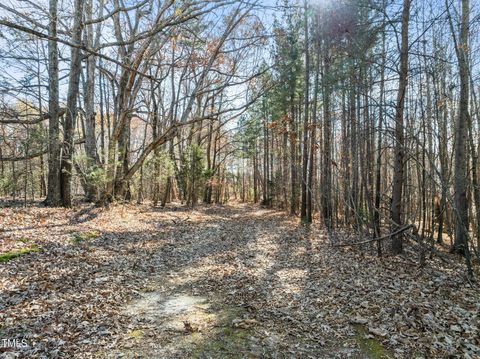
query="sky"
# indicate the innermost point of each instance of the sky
(16, 71)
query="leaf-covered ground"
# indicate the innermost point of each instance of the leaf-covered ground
(218, 282)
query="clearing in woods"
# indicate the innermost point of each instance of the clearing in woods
(233, 281)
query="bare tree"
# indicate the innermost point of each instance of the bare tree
(71, 114)
(53, 191)
(461, 131)
(398, 172)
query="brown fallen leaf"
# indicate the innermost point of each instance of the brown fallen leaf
(244, 323)
(359, 320)
(378, 332)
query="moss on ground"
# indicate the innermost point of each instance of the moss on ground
(82, 237)
(224, 341)
(7, 256)
(371, 347)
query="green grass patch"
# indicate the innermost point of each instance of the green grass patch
(82, 237)
(5, 257)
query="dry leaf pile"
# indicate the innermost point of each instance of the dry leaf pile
(300, 297)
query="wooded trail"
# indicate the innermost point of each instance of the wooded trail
(233, 281)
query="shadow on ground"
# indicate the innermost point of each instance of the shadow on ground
(213, 282)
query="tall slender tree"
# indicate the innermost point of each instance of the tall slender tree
(71, 113)
(398, 171)
(461, 131)
(303, 210)
(53, 191)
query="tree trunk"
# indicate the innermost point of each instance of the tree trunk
(461, 130)
(293, 161)
(327, 208)
(398, 170)
(378, 170)
(90, 138)
(303, 210)
(53, 189)
(70, 116)
(313, 146)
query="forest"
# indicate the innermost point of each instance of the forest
(239, 179)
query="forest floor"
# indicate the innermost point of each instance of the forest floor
(233, 281)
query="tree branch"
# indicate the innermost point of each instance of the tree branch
(400, 230)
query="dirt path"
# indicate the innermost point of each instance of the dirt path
(218, 282)
(231, 290)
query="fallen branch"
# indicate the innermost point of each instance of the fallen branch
(180, 221)
(398, 231)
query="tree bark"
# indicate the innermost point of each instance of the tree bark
(398, 171)
(327, 207)
(460, 244)
(53, 189)
(70, 116)
(313, 145)
(90, 116)
(303, 210)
